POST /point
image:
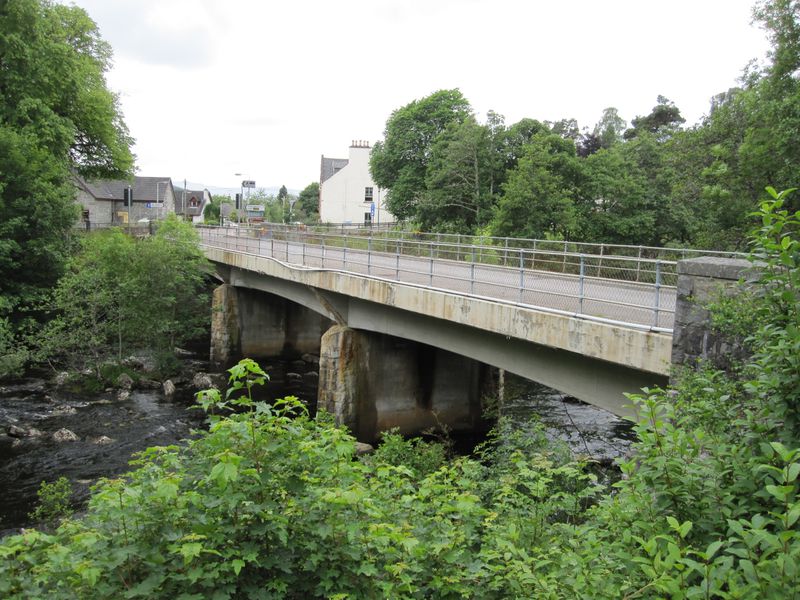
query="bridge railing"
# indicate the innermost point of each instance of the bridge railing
(391, 232)
(626, 290)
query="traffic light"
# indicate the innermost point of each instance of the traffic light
(127, 195)
(238, 201)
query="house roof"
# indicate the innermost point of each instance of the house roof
(201, 196)
(145, 189)
(330, 166)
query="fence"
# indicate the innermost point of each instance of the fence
(627, 290)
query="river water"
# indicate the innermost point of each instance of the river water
(110, 430)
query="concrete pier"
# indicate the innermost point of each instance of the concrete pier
(373, 382)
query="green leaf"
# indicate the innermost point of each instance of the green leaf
(190, 551)
(237, 565)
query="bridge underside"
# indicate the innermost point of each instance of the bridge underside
(587, 378)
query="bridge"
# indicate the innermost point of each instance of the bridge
(593, 321)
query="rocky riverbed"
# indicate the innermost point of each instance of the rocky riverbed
(47, 432)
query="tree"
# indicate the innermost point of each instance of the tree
(120, 295)
(213, 210)
(308, 203)
(610, 127)
(399, 163)
(56, 115)
(539, 198)
(458, 180)
(663, 120)
(617, 202)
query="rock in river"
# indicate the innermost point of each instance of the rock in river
(65, 435)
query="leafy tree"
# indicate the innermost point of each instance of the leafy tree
(56, 115)
(587, 144)
(516, 138)
(610, 128)
(566, 128)
(120, 295)
(399, 163)
(663, 121)
(539, 198)
(458, 180)
(307, 205)
(618, 201)
(213, 210)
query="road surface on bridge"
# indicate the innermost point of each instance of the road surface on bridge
(637, 304)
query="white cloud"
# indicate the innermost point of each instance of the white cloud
(214, 87)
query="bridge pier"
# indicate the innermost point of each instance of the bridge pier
(373, 382)
(260, 325)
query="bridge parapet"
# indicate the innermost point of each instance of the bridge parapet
(702, 281)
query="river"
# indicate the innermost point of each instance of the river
(110, 430)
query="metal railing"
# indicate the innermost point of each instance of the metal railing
(638, 292)
(392, 232)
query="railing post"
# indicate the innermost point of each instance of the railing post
(272, 247)
(431, 265)
(369, 255)
(304, 253)
(323, 253)
(533, 258)
(658, 293)
(638, 263)
(397, 264)
(581, 286)
(344, 255)
(521, 274)
(472, 273)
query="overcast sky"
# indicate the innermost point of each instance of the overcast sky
(210, 88)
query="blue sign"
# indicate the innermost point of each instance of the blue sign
(372, 209)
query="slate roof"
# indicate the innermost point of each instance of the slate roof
(331, 166)
(144, 188)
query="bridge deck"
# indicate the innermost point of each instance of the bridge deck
(640, 305)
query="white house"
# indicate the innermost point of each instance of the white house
(347, 193)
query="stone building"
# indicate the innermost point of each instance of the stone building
(104, 200)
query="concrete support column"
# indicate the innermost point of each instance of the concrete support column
(702, 281)
(373, 382)
(224, 327)
(253, 324)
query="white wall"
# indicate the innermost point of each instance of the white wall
(342, 194)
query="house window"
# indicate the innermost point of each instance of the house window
(194, 202)
(367, 218)
(367, 194)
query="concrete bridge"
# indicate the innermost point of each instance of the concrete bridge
(405, 328)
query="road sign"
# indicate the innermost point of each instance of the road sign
(248, 183)
(254, 208)
(372, 209)
(155, 205)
